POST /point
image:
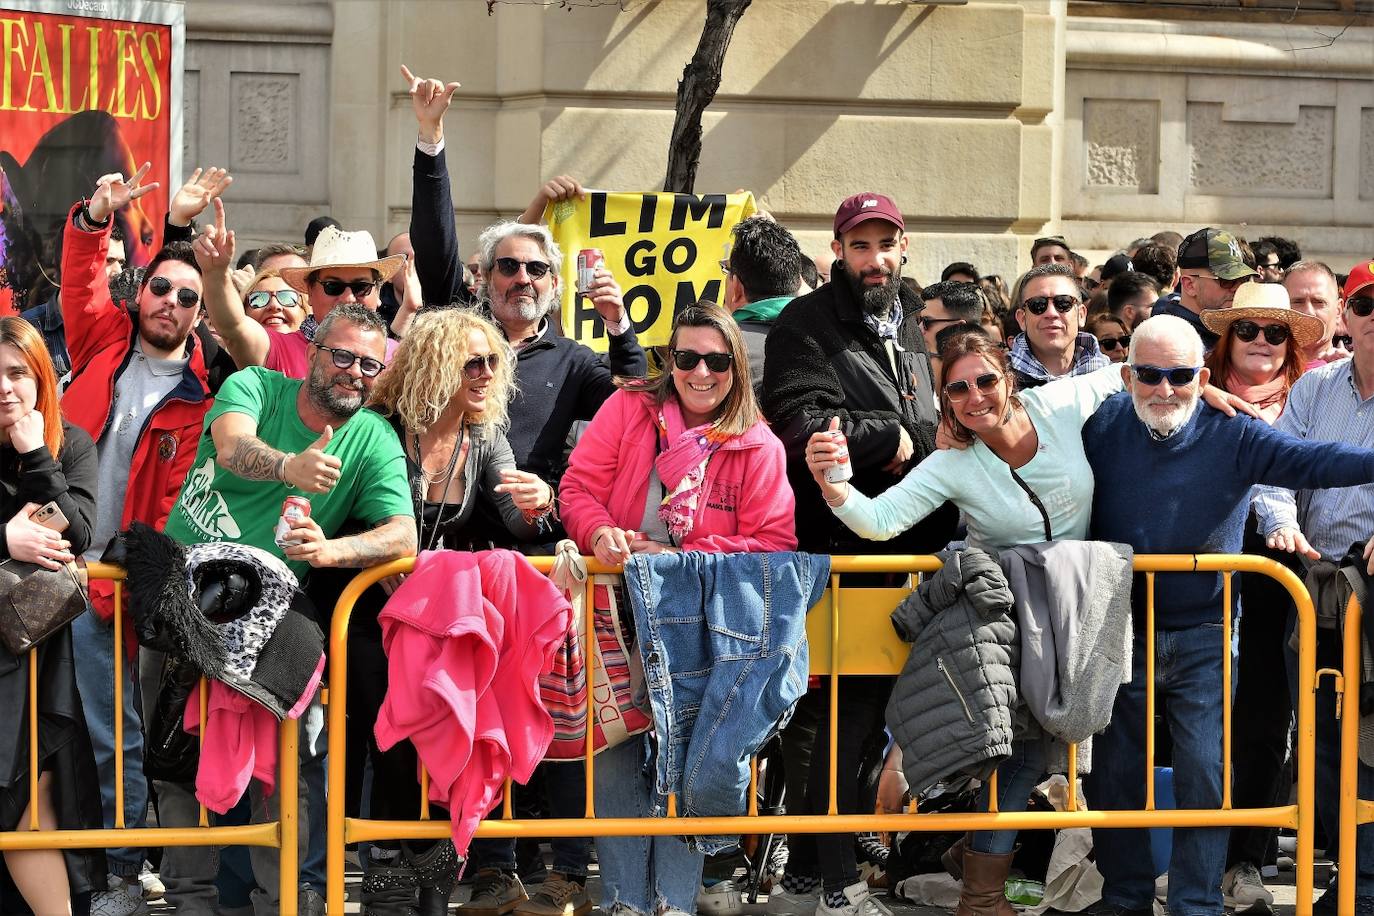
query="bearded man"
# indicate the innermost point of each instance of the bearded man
(1181, 476)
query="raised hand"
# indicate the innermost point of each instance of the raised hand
(560, 187)
(430, 99)
(113, 192)
(195, 195)
(214, 247)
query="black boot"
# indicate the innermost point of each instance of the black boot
(436, 871)
(388, 888)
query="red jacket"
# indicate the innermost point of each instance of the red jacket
(100, 338)
(748, 505)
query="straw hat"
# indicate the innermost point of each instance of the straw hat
(336, 248)
(1266, 302)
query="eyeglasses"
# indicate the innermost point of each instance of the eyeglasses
(1108, 344)
(1227, 285)
(1273, 333)
(509, 267)
(1360, 305)
(344, 359)
(187, 298)
(473, 367)
(361, 288)
(1038, 305)
(1343, 340)
(929, 323)
(960, 390)
(687, 360)
(1178, 376)
(1088, 284)
(261, 298)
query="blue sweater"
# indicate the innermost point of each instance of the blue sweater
(1190, 493)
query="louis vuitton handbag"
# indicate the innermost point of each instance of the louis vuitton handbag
(36, 602)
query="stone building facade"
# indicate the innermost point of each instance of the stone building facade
(989, 122)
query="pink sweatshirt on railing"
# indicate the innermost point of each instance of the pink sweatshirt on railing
(467, 636)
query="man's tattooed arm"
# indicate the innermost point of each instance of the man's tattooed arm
(253, 459)
(391, 540)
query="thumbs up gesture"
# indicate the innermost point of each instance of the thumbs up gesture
(312, 470)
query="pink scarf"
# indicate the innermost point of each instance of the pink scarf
(682, 460)
(1267, 398)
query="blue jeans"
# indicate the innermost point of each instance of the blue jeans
(565, 794)
(1017, 777)
(1188, 676)
(640, 872)
(1328, 756)
(314, 766)
(93, 645)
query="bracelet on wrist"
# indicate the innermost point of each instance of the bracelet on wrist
(281, 468)
(91, 222)
(838, 500)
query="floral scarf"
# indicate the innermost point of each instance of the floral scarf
(681, 463)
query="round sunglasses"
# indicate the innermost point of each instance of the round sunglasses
(1038, 305)
(1274, 334)
(187, 298)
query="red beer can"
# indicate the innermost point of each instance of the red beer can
(292, 508)
(588, 260)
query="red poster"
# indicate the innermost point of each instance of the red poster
(79, 97)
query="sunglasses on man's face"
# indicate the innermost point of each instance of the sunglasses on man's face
(473, 367)
(187, 298)
(687, 360)
(960, 390)
(1038, 305)
(1344, 341)
(1362, 306)
(1110, 344)
(1228, 285)
(344, 359)
(261, 298)
(361, 288)
(1178, 376)
(509, 267)
(1274, 334)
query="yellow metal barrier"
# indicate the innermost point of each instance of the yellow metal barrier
(1354, 810)
(281, 834)
(871, 648)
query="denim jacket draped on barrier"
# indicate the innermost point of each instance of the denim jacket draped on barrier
(723, 637)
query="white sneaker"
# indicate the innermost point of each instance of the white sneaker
(781, 903)
(124, 897)
(861, 902)
(720, 899)
(1242, 888)
(150, 882)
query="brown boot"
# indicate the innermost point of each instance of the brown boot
(985, 881)
(953, 858)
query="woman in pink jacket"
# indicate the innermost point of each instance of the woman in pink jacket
(681, 462)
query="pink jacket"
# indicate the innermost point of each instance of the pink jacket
(467, 636)
(748, 505)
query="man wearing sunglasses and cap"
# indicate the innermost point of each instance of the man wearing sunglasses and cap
(1211, 268)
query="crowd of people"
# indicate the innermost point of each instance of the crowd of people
(1195, 394)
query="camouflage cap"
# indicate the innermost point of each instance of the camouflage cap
(1216, 250)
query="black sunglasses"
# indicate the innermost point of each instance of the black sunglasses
(958, 391)
(1038, 305)
(1178, 376)
(187, 298)
(509, 267)
(473, 367)
(1360, 305)
(1343, 340)
(344, 359)
(687, 360)
(1274, 334)
(361, 288)
(1108, 344)
(928, 323)
(1088, 284)
(1228, 285)
(261, 298)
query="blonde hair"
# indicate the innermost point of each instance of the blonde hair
(426, 372)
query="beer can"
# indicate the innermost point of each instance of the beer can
(293, 508)
(841, 472)
(588, 260)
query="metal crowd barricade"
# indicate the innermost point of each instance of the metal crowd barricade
(1354, 810)
(280, 834)
(866, 644)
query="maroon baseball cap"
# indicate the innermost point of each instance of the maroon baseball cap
(864, 206)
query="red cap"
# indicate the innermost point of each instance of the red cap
(864, 206)
(1361, 275)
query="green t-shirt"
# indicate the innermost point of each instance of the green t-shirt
(218, 505)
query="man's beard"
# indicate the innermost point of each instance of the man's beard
(513, 307)
(876, 300)
(154, 333)
(1164, 424)
(319, 388)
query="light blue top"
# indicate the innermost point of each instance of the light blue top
(999, 512)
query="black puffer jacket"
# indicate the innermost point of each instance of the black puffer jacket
(823, 361)
(952, 708)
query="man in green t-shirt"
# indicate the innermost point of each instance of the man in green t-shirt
(268, 437)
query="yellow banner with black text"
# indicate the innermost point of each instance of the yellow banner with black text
(664, 250)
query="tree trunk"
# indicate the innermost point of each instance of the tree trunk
(696, 90)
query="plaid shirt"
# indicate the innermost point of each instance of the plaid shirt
(1087, 358)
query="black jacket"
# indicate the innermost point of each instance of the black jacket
(823, 361)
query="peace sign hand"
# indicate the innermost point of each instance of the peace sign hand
(113, 192)
(430, 99)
